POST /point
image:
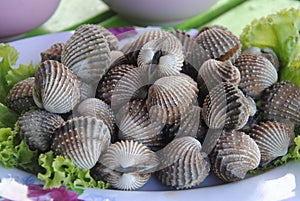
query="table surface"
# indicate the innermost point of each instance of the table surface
(71, 14)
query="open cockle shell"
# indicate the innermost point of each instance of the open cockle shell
(20, 98)
(83, 140)
(234, 155)
(219, 43)
(273, 139)
(226, 107)
(170, 98)
(183, 165)
(56, 88)
(87, 53)
(281, 102)
(37, 128)
(257, 74)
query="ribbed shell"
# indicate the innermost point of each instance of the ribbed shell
(83, 140)
(134, 124)
(219, 43)
(234, 155)
(170, 98)
(56, 88)
(226, 107)
(130, 157)
(37, 128)
(87, 53)
(213, 72)
(281, 102)
(20, 98)
(268, 53)
(110, 80)
(94, 107)
(164, 55)
(133, 85)
(53, 53)
(183, 165)
(273, 139)
(257, 74)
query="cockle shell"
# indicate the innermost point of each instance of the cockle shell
(135, 124)
(110, 80)
(163, 55)
(87, 53)
(226, 107)
(94, 107)
(37, 128)
(213, 72)
(219, 43)
(234, 155)
(53, 53)
(20, 98)
(132, 49)
(281, 102)
(127, 165)
(83, 140)
(268, 53)
(273, 139)
(183, 165)
(56, 88)
(170, 98)
(257, 74)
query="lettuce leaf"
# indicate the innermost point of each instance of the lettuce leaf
(59, 171)
(15, 152)
(280, 32)
(8, 58)
(8, 117)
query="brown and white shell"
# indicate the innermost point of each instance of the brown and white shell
(183, 165)
(257, 74)
(170, 98)
(163, 55)
(83, 140)
(135, 124)
(87, 53)
(213, 72)
(53, 53)
(234, 155)
(110, 80)
(127, 165)
(219, 43)
(226, 107)
(37, 128)
(56, 88)
(19, 98)
(273, 140)
(94, 107)
(281, 102)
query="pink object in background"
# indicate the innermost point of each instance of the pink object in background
(20, 16)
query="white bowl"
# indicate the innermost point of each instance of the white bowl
(158, 12)
(20, 16)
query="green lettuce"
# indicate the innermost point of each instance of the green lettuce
(15, 153)
(280, 32)
(59, 171)
(8, 117)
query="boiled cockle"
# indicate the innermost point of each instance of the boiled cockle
(183, 165)
(83, 140)
(234, 155)
(56, 88)
(53, 53)
(37, 128)
(127, 165)
(219, 43)
(20, 98)
(273, 139)
(257, 74)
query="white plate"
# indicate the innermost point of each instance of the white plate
(282, 183)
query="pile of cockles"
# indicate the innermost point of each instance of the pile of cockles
(166, 103)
